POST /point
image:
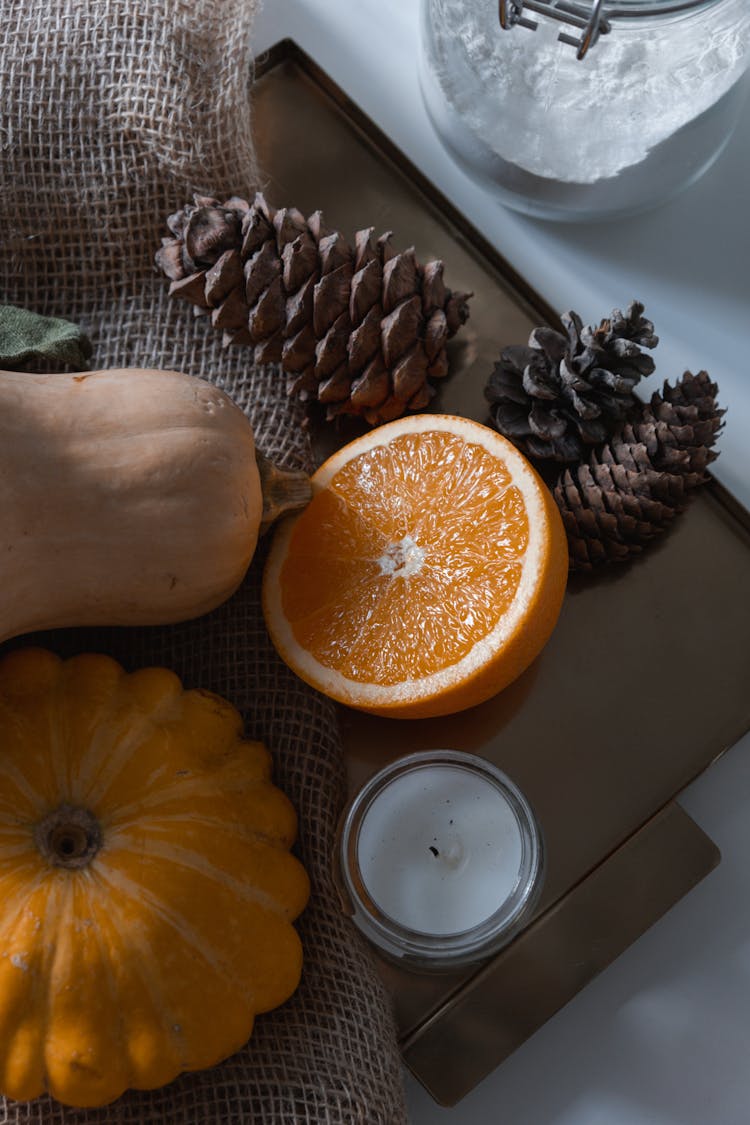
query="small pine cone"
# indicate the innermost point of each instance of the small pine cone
(361, 329)
(608, 516)
(687, 422)
(628, 492)
(561, 395)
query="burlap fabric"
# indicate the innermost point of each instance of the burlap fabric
(111, 113)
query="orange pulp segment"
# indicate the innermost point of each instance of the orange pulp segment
(426, 573)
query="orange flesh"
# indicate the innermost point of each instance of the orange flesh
(399, 567)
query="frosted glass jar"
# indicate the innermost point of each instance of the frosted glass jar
(643, 114)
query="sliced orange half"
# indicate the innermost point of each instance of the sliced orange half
(424, 576)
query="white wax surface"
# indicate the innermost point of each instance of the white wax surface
(440, 849)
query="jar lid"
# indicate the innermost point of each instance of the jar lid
(439, 859)
(623, 9)
(591, 18)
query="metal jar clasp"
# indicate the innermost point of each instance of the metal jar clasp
(590, 21)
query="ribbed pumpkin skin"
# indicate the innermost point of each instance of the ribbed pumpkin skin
(153, 956)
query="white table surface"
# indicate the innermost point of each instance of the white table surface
(662, 1037)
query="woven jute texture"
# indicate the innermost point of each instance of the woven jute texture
(111, 113)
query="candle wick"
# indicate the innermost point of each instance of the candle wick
(434, 850)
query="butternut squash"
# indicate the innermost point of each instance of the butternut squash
(126, 497)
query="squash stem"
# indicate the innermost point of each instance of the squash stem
(69, 836)
(284, 490)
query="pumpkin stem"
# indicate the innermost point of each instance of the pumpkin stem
(284, 490)
(68, 837)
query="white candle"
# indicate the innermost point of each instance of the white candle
(440, 849)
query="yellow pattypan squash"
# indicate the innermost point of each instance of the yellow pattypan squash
(147, 890)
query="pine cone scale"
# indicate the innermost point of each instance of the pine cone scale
(269, 350)
(336, 388)
(260, 271)
(364, 341)
(331, 298)
(434, 293)
(399, 280)
(169, 260)
(223, 276)
(366, 289)
(334, 252)
(231, 312)
(409, 373)
(191, 289)
(209, 231)
(331, 351)
(436, 335)
(371, 389)
(300, 262)
(298, 353)
(544, 423)
(299, 307)
(267, 316)
(363, 251)
(400, 328)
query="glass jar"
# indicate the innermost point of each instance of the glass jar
(439, 859)
(604, 116)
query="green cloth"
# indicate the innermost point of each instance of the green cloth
(27, 336)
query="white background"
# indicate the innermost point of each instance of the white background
(662, 1037)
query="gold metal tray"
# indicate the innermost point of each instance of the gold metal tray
(643, 685)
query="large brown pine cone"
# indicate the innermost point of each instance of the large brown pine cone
(563, 394)
(628, 492)
(362, 329)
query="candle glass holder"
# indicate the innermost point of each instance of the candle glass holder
(439, 860)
